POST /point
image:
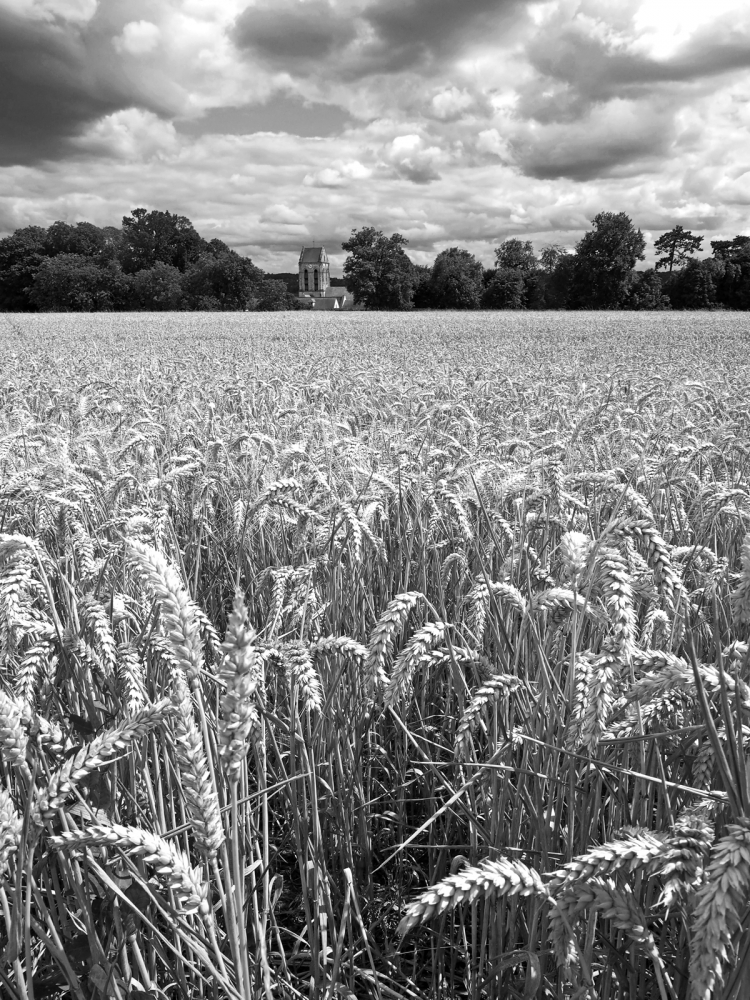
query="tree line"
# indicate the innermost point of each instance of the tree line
(157, 261)
(599, 274)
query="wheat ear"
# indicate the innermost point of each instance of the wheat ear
(176, 607)
(603, 681)
(301, 672)
(11, 825)
(95, 754)
(615, 904)
(719, 905)
(197, 785)
(13, 739)
(384, 635)
(740, 597)
(491, 691)
(500, 877)
(618, 598)
(241, 672)
(408, 661)
(172, 865)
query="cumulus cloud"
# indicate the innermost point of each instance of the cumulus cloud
(339, 174)
(138, 38)
(455, 124)
(282, 215)
(131, 134)
(413, 160)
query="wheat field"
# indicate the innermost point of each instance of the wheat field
(375, 656)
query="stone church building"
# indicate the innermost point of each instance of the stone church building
(315, 287)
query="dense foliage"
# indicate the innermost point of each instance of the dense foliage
(600, 273)
(405, 656)
(156, 262)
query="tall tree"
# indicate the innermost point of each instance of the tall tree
(729, 249)
(645, 292)
(421, 286)
(377, 271)
(514, 284)
(605, 258)
(506, 289)
(518, 255)
(675, 248)
(695, 285)
(157, 288)
(149, 237)
(551, 255)
(21, 256)
(84, 239)
(457, 280)
(222, 282)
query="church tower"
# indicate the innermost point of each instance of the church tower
(314, 272)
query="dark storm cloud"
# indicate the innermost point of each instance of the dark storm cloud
(293, 35)
(387, 36)
(414, 32)
(576, 70)
(52, 84)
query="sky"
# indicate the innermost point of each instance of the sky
(275, 123)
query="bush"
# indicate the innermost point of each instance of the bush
(506, 290)
(157, 288)
(71, 282)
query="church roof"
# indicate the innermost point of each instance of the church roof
(313, 255)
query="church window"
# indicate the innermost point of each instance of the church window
(315, 276)
(307, 280)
